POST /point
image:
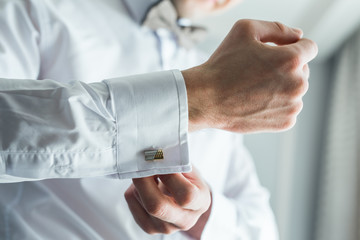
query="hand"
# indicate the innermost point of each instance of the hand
(169, 203)
(247, 85)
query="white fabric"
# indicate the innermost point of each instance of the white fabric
(77, 126)
(339, 208)
(105, 131)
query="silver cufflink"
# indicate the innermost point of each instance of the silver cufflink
(152, 155)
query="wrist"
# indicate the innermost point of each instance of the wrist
(195, 110)
(200, 98)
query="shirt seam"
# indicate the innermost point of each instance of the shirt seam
(110, 89)
(179, 113)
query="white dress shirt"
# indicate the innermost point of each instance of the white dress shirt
(91, 123)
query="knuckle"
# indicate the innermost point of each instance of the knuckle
(294, 91)
(160, 227)
(295, 88)
(188, 196)
(287, 123)
(306, 71)
(158, 210)
(244, 25)
(146, 226)
(187, 225)
(293, 61)
(314, 46)
(287, 61)
(304, 86)
(300, 88)
(295, 109)
(149, 229)
(280, 26)
(165, 229)
(128, 195)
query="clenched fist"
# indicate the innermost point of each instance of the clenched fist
(248, 85)
(170, 203)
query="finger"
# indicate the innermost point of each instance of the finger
(155, 202)
(275, 32)
(164, 189)
(306, 71)
(194, 177)
(165, 227)
(146, 222)
(186, 194)
(306, 50)
(141, 217)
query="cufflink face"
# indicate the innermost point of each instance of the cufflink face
(152, 155)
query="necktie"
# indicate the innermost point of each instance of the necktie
(164, 15)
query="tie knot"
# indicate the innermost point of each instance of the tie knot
(164, 15)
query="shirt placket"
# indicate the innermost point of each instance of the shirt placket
(167, 48)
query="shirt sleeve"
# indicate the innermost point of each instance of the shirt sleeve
(242, 210)
(51, 130)
(71, 130)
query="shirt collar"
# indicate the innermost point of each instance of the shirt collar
(138, 8)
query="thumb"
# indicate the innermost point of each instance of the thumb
(275, 32)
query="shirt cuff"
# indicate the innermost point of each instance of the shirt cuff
(151, 114)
